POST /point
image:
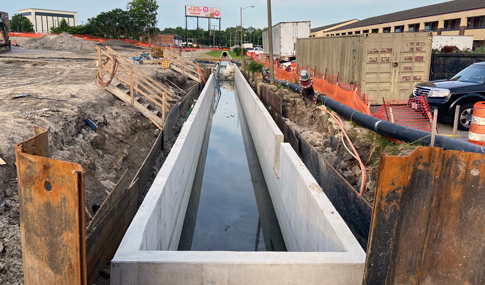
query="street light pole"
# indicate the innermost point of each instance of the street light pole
(258, 40)
(270, 40)
(243, 62)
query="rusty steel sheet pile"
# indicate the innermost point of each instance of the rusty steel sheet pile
(428, 221)
(51, 198)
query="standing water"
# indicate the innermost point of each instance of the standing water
(230, 208)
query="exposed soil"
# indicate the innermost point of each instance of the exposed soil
(62, 94)
(63, 41)
(323, 133)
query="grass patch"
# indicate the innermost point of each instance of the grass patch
(218, 53)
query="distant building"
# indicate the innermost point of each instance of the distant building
(165, 39)
(320, 31)
(459, 17)
(177, 40)
(5, 19)
(43, 19)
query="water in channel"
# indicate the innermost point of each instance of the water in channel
(230, 208)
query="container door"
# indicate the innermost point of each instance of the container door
(378, 73)
(414, 63)
(394, 63)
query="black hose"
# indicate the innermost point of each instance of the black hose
(388, 129)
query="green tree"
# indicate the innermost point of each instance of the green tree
(143, 14)
(113, 24)
(63, 27)
(19, 23)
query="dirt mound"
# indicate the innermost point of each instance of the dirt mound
(63, 41)
(119, 43)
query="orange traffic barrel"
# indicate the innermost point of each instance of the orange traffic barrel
(476, 135)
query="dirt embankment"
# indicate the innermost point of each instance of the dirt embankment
(62, 94)
(322, 132)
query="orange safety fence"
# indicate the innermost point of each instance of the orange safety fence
(349, 98)
(25, 35)
(349, 95)
(414, 113)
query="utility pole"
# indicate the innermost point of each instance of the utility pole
(243, 62)
(270, 40)
(214, 41)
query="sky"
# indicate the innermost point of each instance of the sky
(171, 12)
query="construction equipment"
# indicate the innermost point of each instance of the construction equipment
(156, 51)
(4, 40)
(139, 58)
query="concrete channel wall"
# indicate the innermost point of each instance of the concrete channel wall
(322, 249)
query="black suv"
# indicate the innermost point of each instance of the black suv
(464, 89)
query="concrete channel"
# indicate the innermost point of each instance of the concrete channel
(320, 247)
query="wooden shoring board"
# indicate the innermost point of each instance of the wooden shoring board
(129, 67)
(109, 225)
(136, 83)
(127, 99)
(180, 70)
(150, 81)
(175, 56)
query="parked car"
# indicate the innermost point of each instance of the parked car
(258, 50)
(464, 90)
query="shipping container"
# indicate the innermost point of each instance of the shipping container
(447, 65)
(383, 65)
(284, 37)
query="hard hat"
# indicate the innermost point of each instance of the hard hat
(304, 75)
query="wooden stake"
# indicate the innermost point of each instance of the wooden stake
(99, 64)
(165, 105)
(131, 89)
(455, 123)
(392, 115)
(433, 130)
(176, 86)
(157, 125)
(385, 108)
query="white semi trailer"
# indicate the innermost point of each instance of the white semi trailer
(284, 38)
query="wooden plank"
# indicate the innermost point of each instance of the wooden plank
(109, 225)
(131, 88)
(144, 76)
(174, 56)
(176, 86)
(125, 98)
(180, 70)
(148, 97)
(155, 123)
(99, 64)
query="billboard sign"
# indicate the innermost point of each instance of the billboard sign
(202, 11)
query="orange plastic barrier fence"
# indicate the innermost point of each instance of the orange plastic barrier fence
(413, 113)
(25, 35)
(349, 95)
